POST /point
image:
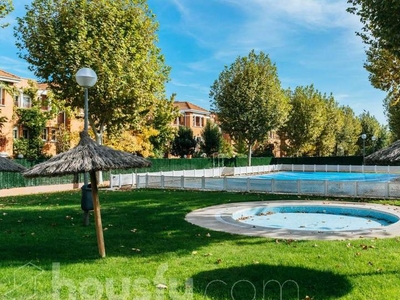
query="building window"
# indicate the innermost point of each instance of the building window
(53, 135)
(197, 121)
(44, 102)
(45, 134)
(2, 96)
(25, 133)
(61, 118)
(15, 133)
(16, 101)
(26, 102)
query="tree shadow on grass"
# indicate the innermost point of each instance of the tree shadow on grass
(140, 223)
(270, 282)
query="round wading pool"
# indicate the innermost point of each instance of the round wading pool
(301, 219)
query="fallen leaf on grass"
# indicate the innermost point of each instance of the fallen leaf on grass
(161, 286)
(194, 252)
(208, 254)
(136, 249)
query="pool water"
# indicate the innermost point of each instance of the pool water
(320, 218)
(331, 176)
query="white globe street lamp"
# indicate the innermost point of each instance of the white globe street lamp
(86, 78)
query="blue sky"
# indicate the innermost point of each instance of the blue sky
(310, 41)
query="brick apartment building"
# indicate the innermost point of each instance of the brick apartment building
(10, 101)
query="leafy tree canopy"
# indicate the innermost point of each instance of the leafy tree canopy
(6, 6)
(248, 99)
(381, 23)
(184, 143)
(211, 139)
(117, 39)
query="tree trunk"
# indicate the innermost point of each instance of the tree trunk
(249, 155)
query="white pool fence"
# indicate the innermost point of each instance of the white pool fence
(237, 179)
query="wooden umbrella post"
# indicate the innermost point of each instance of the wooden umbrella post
(97, 214)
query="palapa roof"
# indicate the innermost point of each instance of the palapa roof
(389, 156)
(87, 156)
(7, 165)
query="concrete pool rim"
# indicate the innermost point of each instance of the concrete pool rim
(219, 218)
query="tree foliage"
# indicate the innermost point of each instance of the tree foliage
(306, 121)
(381, 23)
(211, 139)
(6, 6)
(348, 134)
(248, 99)
(117, 39)
(380, 32)
(376, 135)
(392, 111)
(165, 113)
(3, 121)
(184, 142)
(133, 142)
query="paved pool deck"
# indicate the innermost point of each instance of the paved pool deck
(38, 189)
(219, 218)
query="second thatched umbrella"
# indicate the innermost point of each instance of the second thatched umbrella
(88, 156)
(389, 156)
(7, 165)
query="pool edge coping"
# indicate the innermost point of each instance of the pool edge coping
(212, 217)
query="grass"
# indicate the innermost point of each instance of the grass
(46, 253)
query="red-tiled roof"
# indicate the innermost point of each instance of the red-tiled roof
(5, 75)
(185, 105)
(42, 86)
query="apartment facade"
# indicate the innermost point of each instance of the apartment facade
(13, 98)
(195, 118)
(192, 116)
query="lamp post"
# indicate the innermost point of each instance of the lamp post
(86, 78)
(363, 136)
(373, 142)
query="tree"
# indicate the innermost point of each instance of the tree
(211, 139)
(371, 128)
(381, 33)
(381, 23)
(248, 99)
(117, 39)
(184, 143)
(348, 134)
(165, 113)
(392, 111)
(6, 6)
(326, 142)
(133, 142)
(306, 121)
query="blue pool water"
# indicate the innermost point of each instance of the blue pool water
(321, 218)
(332, 176)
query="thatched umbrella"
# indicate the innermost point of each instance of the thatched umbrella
(7, 165)
(389, 156)
(88, 156)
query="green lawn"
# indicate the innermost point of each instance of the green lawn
(46, 253)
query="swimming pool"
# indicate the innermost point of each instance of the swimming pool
(331, 176)
(315, 217)
(299, 219)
